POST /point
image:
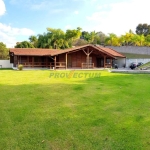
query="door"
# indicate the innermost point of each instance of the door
(100, 62)
(69, 65)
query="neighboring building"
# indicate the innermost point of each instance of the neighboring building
(88, 56)
(134, 54)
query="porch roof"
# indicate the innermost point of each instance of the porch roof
(53, 52)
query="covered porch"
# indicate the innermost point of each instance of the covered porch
(83, 57)
(87, 58)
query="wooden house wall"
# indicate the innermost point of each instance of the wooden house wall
(75, 59)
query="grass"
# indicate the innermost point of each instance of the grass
(136, 56)
(146, 65)
(110, 112)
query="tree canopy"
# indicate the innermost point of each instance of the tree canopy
(24, 44)
(58, 39)
(143, 29)
(3, 51)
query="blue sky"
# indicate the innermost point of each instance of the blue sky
(21, 18)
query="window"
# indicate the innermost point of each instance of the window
(108, 60)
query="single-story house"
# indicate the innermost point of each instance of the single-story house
(87, 56)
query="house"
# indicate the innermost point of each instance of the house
(87, 56)
(134, 54)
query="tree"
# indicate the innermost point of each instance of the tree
(3, 51)
(33, 40)
(138, 40)
(112, 40)
(57, 37)
(147, 40)
(90, 37)
(143, 29)
(24, 44)
(44, 41)
(72, 35)
(122, 40)
(102, 37)
(80, 42)
(128, 38)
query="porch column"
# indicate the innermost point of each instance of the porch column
(55, 62)
(104, 61)
(88, 57)
(18, 60)
(27, 60)
(111, 62)
(32, 61)
(66, 60)
(46, 62)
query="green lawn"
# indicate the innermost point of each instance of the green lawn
(136, 56)
(110, 112)
(146, 65)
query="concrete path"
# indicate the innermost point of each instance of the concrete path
(128, 70)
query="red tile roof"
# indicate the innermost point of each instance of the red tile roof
(33, 51)
(53, 52)
(111, 51)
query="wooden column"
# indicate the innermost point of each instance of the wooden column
(18, 59)
(104, 61)
(33, 61)
(66, 60)
(88, 61)
(88, 57)
(27, 60)
(111, 62)
(46, 62)
(55, 62)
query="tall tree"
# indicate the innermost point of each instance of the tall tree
(33, 40)
(3, 51)
(128, 38)
(72, 35)
(102, 37)
(112, 40)
(138, 40)
(57, 37)
(90, 37)
(24, 44)
(143, 29)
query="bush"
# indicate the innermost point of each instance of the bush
(20, 67)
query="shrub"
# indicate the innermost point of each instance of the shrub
(20, 67)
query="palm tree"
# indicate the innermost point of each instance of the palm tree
(112, 40)
(33, 40)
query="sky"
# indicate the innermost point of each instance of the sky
(20, 19)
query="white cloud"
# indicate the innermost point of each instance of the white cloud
(120, 17)
(2, 8)
(76, 12)
(8, 40)
(68, 27)
(40, 5)
(8, 34)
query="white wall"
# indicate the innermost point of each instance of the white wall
(129, 61)
(120, 62)
(5, 64)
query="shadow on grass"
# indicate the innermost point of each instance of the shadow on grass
(6, 69)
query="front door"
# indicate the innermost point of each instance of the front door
(69, 64)
(100, 62)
